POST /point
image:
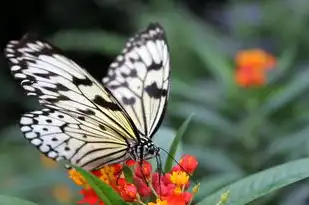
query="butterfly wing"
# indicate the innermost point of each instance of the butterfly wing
(78, 138)
(140, 79)
(68, 90)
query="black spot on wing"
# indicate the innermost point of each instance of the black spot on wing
(133, 73)
(155, 66)
(78, 81)
(62, 87)
(128, 101)
(103, 103)
(155, 92)
(81, 118)
(102, 127)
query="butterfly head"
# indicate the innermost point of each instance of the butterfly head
(146, 149)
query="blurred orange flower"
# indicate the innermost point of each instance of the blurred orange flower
(251, 67)
(62, 193)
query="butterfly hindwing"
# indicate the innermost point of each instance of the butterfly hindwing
(71, 137)
(140, 79)
(63, 86)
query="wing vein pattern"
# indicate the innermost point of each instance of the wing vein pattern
(139, 79)
(81, 121)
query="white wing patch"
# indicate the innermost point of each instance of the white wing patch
(78, 139)
(88, 108)
(139, 79)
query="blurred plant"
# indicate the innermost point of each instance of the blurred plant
(251, 67)
(62, 193)
(47, 162)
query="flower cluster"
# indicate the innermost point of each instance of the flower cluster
(169, 189)
(252, 66)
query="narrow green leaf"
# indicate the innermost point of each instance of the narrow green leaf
(104, 191)
(261, 183)
(8, 200)
(176, 141)
(128, 174)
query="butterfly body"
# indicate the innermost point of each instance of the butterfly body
(83, 121)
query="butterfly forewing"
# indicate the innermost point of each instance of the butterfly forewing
(93, 121)
(139, 79)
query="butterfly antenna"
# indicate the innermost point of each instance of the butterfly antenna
(183, 169)
(160, 170)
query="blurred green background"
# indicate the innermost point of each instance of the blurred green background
(235, 131)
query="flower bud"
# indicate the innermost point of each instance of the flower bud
(143, 170)
(188, 163)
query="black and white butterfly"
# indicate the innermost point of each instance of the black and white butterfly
(83, 121)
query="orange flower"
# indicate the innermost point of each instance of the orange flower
(251, 67)
(256, 58)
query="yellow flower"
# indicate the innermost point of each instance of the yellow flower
(179, 178)
(158, 202)
(77, 178)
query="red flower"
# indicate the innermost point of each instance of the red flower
(128, 192)
(176, 200)
(142, 188)
(170, 188)
(90, 197)
(188, 163)
(143, 170)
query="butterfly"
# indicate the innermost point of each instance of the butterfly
(89, 123)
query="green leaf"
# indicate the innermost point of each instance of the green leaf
(104, 191)
(174, 146)
(259, 184)
(8, 200)
(128, 174)
(215, 182)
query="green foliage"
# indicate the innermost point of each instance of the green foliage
(14, 201)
